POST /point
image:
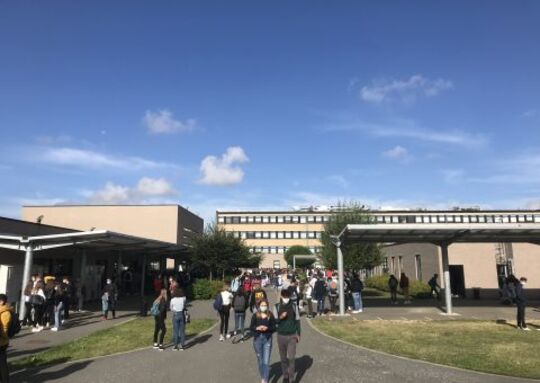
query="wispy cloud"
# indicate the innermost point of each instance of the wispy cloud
(396, 153)
(405, 90)
(404, 128)
(83, 158)
(163, 122)
(147, 188)
(225, 170)
(522, 169)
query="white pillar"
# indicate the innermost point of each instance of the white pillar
(341, 279)
(82, 279)
(446, 274)
(28, 258)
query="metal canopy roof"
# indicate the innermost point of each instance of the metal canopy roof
(442, 233)
(98, 240)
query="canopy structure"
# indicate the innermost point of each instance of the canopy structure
(98, 240)
(441, 235)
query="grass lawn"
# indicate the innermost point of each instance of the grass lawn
(476, 345)
(128, 336)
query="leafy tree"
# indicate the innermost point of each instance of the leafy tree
(356, 256)
(217, 251)
(298, 250)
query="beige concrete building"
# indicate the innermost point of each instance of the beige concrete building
(482, 265)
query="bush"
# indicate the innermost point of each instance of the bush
(206, 289)
(417, 289)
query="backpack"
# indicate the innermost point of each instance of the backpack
(247, 285)
(218, 302)
(14, 326)
(333, 287)
(155, 309)
(239, 303)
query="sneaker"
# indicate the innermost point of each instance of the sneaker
(234, 333)
(526, 329)
(228, 336)
(221, 338)
(54, 328)
(156, 346)
(35, 329)
(161, 348)
(175, 348)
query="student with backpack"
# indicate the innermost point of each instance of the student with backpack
(178, 308)
(240, 305)
(159, 312)
(288, 329)
(332, 294)
(263, 325)
(222, 304)
(5, 321)
(356, 288)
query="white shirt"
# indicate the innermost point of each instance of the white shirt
(226, 297)
(178, 304)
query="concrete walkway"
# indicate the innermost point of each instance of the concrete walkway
(319, 359)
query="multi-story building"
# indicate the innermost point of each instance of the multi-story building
(472, 265)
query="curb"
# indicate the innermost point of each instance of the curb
(320, 332)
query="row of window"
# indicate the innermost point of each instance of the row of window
(277, 234)
(422, 218)
(278, 249)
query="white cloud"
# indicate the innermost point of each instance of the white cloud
(162, 122)
(405, 128)
(406, 90)
(225, 170)
(522, 169)
(396, 153)
(96, 160)
(146, 190)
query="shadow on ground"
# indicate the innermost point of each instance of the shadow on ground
(303, 364)
(36, 374)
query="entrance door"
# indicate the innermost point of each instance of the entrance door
(457, 280)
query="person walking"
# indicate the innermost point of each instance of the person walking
(48, 312)
(159, 312)
(356, 289)
(58, 308)
(263, 325)
(308, 297)
(288, 329)
(178, 307)
(5, 319)
(521, 303)
(224, 313)
(240, 305)
(109, 299)
(256, 297)
(404, 285)
(68, 295)
(37, 301)
(392, 286)
(319, 293)
(332, 294)
(434, 285)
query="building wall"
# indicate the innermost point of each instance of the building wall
(479, 263)
(429, 259)
(160, 222)
(527, 263)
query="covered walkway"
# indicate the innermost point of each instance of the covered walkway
(442, 235)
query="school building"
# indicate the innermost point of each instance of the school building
(473, 266)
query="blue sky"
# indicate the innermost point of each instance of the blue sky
(270, 105)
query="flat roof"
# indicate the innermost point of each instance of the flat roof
(465, 211)
(442, 233)
(95, 205)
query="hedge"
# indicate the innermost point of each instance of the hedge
(206, 289)
(417, 289)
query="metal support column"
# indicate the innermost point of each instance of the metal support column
(446, 275)
(28, 259)
(143, 275)
(341, 278)
(82, 279)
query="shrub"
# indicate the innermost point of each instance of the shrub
(206, 289)
(379, 282)
(417, 289)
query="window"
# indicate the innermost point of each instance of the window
(473, 218)
(425, 219)
(273, 234)
(265, 219)
(288, 219)
(450, 218)
(411, 219)
(296, 235)
(243, 219)
(280, 235)
(318, 218)
(418, 266)
(319, 235)
(295, 219)
(380, 219)
(458, 218)
(280, 219)
(419, 219)
(395, 219)
(506, 219)
(265, 235)
(221, 220)
(236, 220)
(393, 265)
(482, 218)
(243, 235)
(489, 219)
(521, 218)
(288, 235)
(257, 234)
(250, 235)
(303, 219)
(326, 218)
(387, 219)
(513, 219)
(537, 218)
(529, 218)
(311, 234)
(402, 219)
(277, 265)
(303, 235)
(311, 219)
(273, 250)
(251, 219)
(257, 219)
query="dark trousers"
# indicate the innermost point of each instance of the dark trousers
(521, 316)
(67, 304)
(112, 308)
(309, 307)
(4, 372)
(287, 353)
(333, 299)
(48, 314)
(436, 291)
(320, 306)
(159, 329)
(38, 315)
(27, 321)
(393, 295)
(224, 317)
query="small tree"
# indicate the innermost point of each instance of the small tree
(298, 250)
(356, 256)
(217, 251)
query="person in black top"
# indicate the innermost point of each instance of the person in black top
(319, 293)
(159, 320)
(521, 302)
(240, 305)
(263, 325)
(392, 286)
(356, 289)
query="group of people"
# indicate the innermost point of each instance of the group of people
(173, 299)
(47, 302)
(246, 292)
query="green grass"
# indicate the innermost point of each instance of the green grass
(128, 336)
(476, 345)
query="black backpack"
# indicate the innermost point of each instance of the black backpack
(14, 326)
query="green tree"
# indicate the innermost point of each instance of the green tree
(216, 251)
(356, 256)
(298, 250)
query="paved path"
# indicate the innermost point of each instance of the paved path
(320, 359)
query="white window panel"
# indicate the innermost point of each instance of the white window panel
(258, 234)
(311, 234)
(243, 235)
(288, 235)
(537, 218)
(303, 235)
(265, 219)
(482, 218)
(258, 219)
(273, 234)
(265, 234)
(250, 219)
(295, 235)
(311, 219)
(243, 219)
(395, 219)
(280, 235)
(280, 219)
(221, 220)
(303, 219)
(272, 219)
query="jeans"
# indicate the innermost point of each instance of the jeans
(263, 350)
(239, 322)
(4, 372)
(521, 316)
(159, 329)
(320, 306)
(224, 317)
(58, 311)
(111, 306)
(332, 299)
(287, 353)
(179, 329)
(357, 298)
(393, 295)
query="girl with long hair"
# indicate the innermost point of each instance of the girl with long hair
(263, 325)
(160, 303)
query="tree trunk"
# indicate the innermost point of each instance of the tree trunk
(211, 275)
(223, 275)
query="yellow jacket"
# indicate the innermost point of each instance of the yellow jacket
(5, 318)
